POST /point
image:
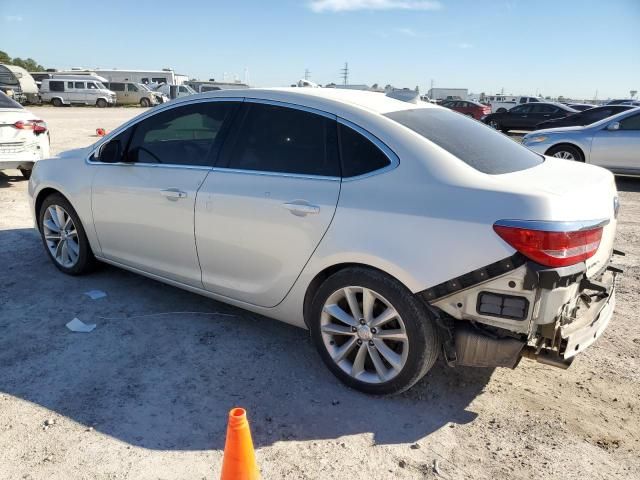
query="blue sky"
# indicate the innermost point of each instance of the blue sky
(555, 47)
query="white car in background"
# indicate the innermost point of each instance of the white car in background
(24, 138)
(394, 231)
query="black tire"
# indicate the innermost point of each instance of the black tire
(86, 261)
(574, 152)
(501, 110)
(56, 102)
(421, 332)
(144, 102)
(26, 173)
(101, 103)
(495, 124)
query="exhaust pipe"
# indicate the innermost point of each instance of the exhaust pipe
(547, 357)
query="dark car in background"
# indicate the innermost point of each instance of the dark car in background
(624, 101)
(581, 107)
(469, 108)
(527, 116)
(585, 118)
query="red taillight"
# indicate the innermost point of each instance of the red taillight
(38, 126)
(552, 249)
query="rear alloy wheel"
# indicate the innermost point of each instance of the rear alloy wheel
(566, 152)
(144, 102)
(56, 102)
(101, 103)
(495, 124)
(64, 237)
(372, 333)
(26, 173)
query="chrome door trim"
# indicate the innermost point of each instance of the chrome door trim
(554, 226)
(275, 174)
(293, 106)
(394, 160)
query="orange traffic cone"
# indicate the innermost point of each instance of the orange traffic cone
(101, 132)
(239, 461)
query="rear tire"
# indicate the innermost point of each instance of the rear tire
(384, 349)
(144, 102)
(56, 102)
(501, 110)
(101, 103)
(26, 173)
(62, 224)
(566, 152)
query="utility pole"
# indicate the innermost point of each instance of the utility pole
(431, 89)
(344, 74)
(307, 74)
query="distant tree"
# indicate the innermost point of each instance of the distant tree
(417, 89)
(374, 86)
(4, 57)
(482, 96)
(29, 64)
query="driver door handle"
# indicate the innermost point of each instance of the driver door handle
(173, 194)
(301, 208)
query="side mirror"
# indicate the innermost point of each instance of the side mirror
(110, 152)
(613, 126)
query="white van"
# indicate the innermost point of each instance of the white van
(175, 91)
(82, 89)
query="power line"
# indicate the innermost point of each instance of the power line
(344, 74)
(307, 74)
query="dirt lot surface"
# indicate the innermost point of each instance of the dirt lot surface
(146, 396)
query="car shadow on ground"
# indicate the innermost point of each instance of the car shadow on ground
(7, 180)
(167, 381)
(628, 184)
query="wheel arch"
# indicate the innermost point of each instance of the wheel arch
(40, 197)
(568, 144)
(325, 273)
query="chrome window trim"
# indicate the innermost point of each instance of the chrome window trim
(144, 116)
(394, 160)
(276, 174)
(554, 226)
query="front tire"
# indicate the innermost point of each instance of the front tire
(144, 102)
(372, 332)
(56, 102)
(566, 152)
(63, 236)
(101, 103)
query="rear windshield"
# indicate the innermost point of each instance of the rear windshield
(474, 143)
(6, 102)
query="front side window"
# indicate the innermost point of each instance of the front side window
(483, 148)
(131, 87)
(182, 89)
(92, 86)
(78, 85)
(116, 86)
(277, 139)
(521, 109)
(544, 109)
(359, 155)
(630, 123)
(180, 136)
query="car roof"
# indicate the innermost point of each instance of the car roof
(326, 99)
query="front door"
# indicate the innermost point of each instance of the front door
(262, 212)
(143, 204)
(618, 149)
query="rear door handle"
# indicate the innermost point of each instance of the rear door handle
(301, 208)
(173, 193)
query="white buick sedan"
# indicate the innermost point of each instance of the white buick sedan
(394, 231)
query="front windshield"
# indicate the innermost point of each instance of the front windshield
(143, 87)
(101, 85)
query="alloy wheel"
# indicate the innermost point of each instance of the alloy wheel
(494, 124)
(564, 155)
(364, 334)
(61, 236)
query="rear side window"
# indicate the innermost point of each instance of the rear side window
(78, 85)
(474, 143)
(56, 86)
(116, 86)
(630, 123)
(359, 155)
(180, 136)
(278, 139)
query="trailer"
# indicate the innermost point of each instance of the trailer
(17, 83)
(440, 94)
(146, 77)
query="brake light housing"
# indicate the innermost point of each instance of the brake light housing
(37, 126)
(553, 244)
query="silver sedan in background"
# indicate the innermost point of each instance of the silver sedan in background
(613, 143)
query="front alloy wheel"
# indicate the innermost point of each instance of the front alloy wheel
(372, 332)
(61, 236)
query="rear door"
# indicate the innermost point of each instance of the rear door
(618, 149)
(540, 113)
(518, 117)
(263, 210)
(143, 204)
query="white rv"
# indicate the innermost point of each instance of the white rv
(146, 77)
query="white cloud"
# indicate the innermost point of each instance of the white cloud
(409, 32)
(465, 45)
(353, 5)
(13, 18)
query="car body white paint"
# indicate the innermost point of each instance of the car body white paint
(20, 148)
(424, 221)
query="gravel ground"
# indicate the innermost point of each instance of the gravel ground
(146, 397)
